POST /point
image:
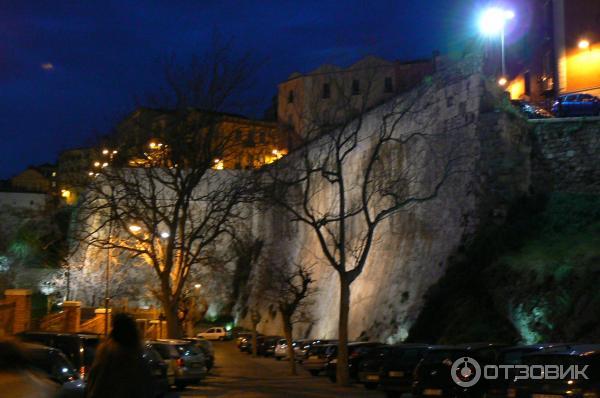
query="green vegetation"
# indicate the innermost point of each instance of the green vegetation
(534, 278)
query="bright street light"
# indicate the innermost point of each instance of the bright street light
(197, 286)
(492, 23)
(135, 228)
(165, 235)
(493, 20)
(583, 44)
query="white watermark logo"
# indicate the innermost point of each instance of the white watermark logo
(466, 372)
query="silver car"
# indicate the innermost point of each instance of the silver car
(186, 363)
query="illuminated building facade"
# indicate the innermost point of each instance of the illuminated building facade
(560, 51)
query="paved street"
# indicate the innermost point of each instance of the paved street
(239, 375)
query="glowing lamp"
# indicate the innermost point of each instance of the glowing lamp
(583, 44)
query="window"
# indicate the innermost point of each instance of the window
(291, 97)
(326, 91)
(238, 135)
(355, 87)
(388, 85)
(261, 137)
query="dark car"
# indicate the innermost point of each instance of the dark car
(576, 105)
(266, 347)
(397, 368)
(578, 355)
(318, 356)
(369, 372)
(186, 364)
(207, 349)
(530, 111)
(301, 350)
(356, 353)
(432, 377)
(80, 348)
(158, 368)
(55, 365)
(514, 356)
(246, 344)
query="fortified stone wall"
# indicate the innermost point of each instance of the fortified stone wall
(566, 155)
(413, 248)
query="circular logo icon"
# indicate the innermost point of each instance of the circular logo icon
(465, 372)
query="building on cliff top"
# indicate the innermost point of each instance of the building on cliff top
(554, 49)
(303, 99)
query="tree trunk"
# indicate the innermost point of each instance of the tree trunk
(343, 376)
(254, 339)
(287, 332)
(170, 309)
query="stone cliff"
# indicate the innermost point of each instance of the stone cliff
(413, 248)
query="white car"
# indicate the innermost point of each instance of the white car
(216, 333)
(280, 349)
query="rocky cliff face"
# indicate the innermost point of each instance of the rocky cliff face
(413, 247)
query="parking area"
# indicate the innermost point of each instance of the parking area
(238, 374)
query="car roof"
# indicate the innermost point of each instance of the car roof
(169, 341)
(575, 350)
(365, 343)
(38, 347)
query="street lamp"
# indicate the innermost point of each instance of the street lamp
(583, 44)
(492, 23)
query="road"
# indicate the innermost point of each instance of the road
(238, 374)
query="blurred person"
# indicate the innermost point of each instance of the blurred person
(118, 370)
(17, 378)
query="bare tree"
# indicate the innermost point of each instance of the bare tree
(158, 198)
(360, 165)
(289, 287)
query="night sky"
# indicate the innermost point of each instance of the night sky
(69, 70)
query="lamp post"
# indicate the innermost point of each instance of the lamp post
(111, 155)
(492, 23)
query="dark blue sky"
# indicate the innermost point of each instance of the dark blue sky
(103, 53)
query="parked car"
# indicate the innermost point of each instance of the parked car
(80, 348)
(397, 369)
(581, 355)
(241, 337)
(215, 333)
(185, 362)
(266, 347)
(281, 349)
(57, 367)
(303, 347)
(432, 374)
(514, 356)
(576, 105)
(207, 349)
(246, 345)
(159, 370)
(369, 371)
(356, 353)
(318, 357)
(531, 111)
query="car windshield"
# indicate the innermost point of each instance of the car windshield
(166, 351)
(53, 363)
(89, 350)
(439, 356)
(408, 355)
(150, 354)
(318, 349)
(513, 357)
(187, 350)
